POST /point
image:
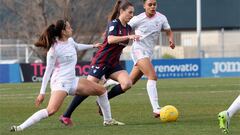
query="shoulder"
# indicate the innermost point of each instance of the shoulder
(114, 22)
(51, 51)
(140, 16)
(70, 40)
(113, 25)
(160, 15)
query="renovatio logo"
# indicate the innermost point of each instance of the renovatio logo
(178, 69)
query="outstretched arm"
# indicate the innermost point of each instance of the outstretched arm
(80, 47)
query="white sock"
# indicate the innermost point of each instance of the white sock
(110, 83)
(105, 106)
(153, 95)
(36, 117)
(235, 106)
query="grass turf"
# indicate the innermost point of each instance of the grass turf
(198, 102)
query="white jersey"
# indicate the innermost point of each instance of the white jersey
(149, 30)
(61, 61)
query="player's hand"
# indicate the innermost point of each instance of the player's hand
(39, 100)
(171, 44)
(97, 45)
(134, 37)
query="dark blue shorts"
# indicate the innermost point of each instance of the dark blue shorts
(98, 72)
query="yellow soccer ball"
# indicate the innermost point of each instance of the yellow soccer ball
(168, 113)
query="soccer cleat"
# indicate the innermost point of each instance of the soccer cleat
(156, 115)
(224, 121)
(65, 120)
(15, 129)
(110, 83)
(113, 122)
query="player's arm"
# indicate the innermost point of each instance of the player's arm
(51, 59)
(169, 32)
(170, 38)
(117, 39)
(113, 36)
(81, 47)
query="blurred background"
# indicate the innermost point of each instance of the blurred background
(202, 28)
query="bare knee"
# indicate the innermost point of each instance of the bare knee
(51, 111)
(100, 91)
(126, 85)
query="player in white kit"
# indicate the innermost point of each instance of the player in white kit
(61, 61)
(148, 25)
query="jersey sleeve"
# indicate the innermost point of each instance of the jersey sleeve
(80, 47)
(112, 28)
(133, 22)
(51, 59)
(165, 25)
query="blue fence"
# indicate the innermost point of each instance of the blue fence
(174, 68)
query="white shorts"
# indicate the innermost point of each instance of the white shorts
(138, 54)
(70, 88)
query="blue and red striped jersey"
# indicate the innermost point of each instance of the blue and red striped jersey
(109, 54)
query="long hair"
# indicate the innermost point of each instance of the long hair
(120, 4)
(48, 37)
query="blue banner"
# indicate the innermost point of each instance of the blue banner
(177, 68)
(220, 67)
(10, 73)
(174, 68)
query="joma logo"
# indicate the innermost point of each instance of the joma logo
(223, 67)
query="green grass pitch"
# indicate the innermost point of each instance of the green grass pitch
(198, 102)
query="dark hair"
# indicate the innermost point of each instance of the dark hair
(144, 1)
(120, 4)
(48, 37)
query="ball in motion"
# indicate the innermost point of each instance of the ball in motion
(168, 113)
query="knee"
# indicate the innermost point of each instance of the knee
(152, 77)
(51, 111)
(126, 85)
(100, 91)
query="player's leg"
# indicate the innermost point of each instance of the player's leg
(135, 74)
(87, 87)
(145, 65)
(235, 106)
(78, 99)
(125, 83)
(66, 117)
(56, 100)
(225, 116)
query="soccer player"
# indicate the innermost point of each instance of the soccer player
(149, 25)
(225, 116)
(106, 61)
(61, 61)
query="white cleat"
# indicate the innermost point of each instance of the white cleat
(15, 129)
(113, 122)
(110, 83)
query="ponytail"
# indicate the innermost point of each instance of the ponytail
(48, 38)
(120, 4)
(115, 12)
